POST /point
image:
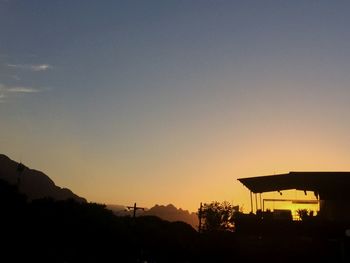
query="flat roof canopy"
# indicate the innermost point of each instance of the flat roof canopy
(325, 183)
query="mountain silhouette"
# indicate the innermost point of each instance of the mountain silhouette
(166, 212)
(119, 210)
(34, 184)
(173, 214)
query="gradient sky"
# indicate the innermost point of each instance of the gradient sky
(172, 101)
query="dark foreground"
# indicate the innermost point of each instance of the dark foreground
(66, 231)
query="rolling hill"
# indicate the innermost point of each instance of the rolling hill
(34, 184)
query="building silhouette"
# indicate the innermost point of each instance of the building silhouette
(332, 190)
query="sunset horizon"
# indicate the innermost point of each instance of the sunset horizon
(171, 103)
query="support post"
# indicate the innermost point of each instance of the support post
(251, 202)
(263, 206)
(134, 210)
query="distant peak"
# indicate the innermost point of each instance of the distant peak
(33, 183)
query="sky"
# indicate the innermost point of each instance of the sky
(160, 102)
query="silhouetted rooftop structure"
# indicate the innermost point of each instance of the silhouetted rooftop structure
(331, 188)
(326, 184)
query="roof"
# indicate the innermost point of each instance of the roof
(321, 182)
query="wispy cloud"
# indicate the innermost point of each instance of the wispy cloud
(2, 97)
(41, 67)
(22, 90)
(8, 91)
(31, 67)
(15, 77)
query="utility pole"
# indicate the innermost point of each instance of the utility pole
(200, 218)
(20, 169)
(135, 208)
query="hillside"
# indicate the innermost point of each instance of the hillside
(34, 184)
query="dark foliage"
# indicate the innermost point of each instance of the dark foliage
(46, 230)
(218, 216)
(67, 231)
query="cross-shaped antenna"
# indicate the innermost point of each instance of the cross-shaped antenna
(135, 208)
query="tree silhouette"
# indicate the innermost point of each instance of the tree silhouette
(305, 214)
(218, 216)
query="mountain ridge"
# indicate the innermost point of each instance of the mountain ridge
(33, 183)
(166, 212)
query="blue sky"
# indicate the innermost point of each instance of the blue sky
(118, 99)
